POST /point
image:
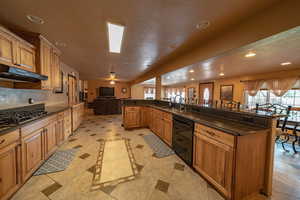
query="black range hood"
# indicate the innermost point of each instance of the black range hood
(17, 74)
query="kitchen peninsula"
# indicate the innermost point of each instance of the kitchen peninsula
(225, 143)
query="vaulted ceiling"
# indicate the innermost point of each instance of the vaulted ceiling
(154, 29)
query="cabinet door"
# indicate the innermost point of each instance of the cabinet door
(214, 161)
(9, 176)
(32, 153)
(59, 130)
(6, 48)
(26, 57)
(132, 117)
(46, 64)
(168, 132)
(55, 70)
(144, 117)
(50, 139)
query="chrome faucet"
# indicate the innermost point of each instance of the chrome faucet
(180, 101)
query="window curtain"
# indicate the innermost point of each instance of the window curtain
(280, 86)
(252, 87)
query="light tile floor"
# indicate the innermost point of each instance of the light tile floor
(158, 179)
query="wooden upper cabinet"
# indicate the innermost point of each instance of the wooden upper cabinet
(16, 52)
(45, 64)
(7, 45)
(26, 57)
(55, 69)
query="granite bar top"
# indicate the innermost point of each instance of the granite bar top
(51, 110)
(228, 126)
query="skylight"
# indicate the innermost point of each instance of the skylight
(115, 36)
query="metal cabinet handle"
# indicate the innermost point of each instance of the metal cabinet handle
(211, 133)
(2, 141)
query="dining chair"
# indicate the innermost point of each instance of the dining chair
(282, 134)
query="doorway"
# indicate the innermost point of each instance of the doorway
(206, 93)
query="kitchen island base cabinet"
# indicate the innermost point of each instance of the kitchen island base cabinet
(214, 161)
(9, 170)
(234, 165)
(132, 117)
(159, 122)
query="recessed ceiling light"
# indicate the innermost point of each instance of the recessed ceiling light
(35, 19)
(60, 44)
(191, 71)
(221, 74)
(192, 79)
(115, 36)
(285, 63)
(250, 54)
(203, 25)
(112, 82)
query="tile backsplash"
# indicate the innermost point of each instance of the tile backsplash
(10, 98)
(19, 97)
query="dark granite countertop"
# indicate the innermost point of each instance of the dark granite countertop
(51, 110)
(225, 125)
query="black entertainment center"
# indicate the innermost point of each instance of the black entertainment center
(106, 103)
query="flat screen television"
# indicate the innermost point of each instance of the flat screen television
(106, 92)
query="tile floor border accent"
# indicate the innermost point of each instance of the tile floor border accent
(99, 164)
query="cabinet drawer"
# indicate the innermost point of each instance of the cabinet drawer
(222, 137)
(132, 108)
(167, 116)
(9, 138)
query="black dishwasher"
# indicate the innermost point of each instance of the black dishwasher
(182, 142)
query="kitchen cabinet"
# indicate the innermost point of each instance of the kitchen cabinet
(77, 115)
(214, 161)
(67, 123)
(7, 44)
(144, 117)
(132, 117)
(167, 128)
(26, 57)
(234, 165)
(59, 130)
(32, 152)
(50, 139)
(39, 56)
(16, 52)
(45, 63)
(159, 122)
(55, 71)
(10, 176)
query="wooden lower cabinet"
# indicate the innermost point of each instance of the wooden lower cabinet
(32, 152)
(10, 176)
(158, 121)
(168, 125)
(132, 117)
(50, 139)
(59, 131)
(214, 161)
(67, 123)
(77, 115)
(234, 165)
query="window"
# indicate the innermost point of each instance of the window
(291, 98)
(149, 93)
(171, 93)
(206, 94)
